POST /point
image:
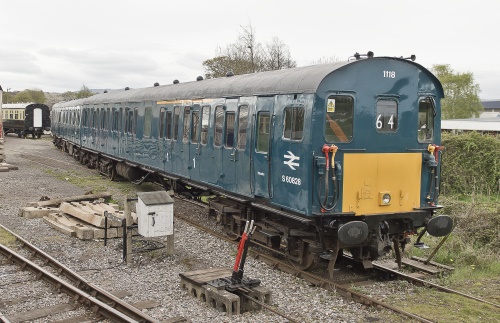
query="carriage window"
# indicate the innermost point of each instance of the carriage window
(204, 124)
(294, 123)
(263, 133)
(426, 113)
(195, 126)
(242, 127)
(148, 116)
(162, 122)
(134, 124)
(116, 119)
(185, 132)
(219, 123)
(387, 116)
(338, 121)
(230, 117)
(169, 125)
(94, 118)
(177, 112)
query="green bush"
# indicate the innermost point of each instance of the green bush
(471, 164)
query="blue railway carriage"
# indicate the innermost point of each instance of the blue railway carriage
(323, 158)
(25, 119)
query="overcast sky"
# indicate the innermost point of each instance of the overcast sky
(60, 45)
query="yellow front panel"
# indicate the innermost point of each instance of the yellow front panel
(367, 177)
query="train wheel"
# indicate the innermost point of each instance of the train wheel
(38, 135)
(309, 259)
(33, 135)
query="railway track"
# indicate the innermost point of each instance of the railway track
(339, 287)
(82, 296)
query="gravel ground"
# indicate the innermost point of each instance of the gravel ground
(153, 275)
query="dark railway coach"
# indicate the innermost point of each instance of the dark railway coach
(323, 158)
(25, 119)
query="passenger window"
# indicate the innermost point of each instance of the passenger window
(230, 117)
(264, 122)
(294, 123)
(162, 122)
(185, 132)
(169, 125)
(242, 127)
(219, 123)
(177, 112)
(205, 124)
(426, 113)
(195, 126)
(134, 124)
(148, 116)
(339, 121)
(387, 116)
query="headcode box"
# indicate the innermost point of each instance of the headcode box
(155, 214)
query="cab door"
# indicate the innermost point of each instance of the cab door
(262, 138)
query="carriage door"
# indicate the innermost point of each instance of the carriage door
(180, 148)
(261, 137)
(228, 157)
(37, 118)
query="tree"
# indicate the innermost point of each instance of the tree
(278, 56)
(26, 96)
(461, 94)
(84, 92)
(246, 55)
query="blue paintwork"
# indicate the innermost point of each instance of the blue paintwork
(248, 173)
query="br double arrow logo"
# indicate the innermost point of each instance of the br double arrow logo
(291, 160)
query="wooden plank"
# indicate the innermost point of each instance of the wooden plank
(30, 212)
(201, 277)
(59, 227)
(80, 319)
(141, 305)
(432, 263)
(420, 266)
(87, 216)
(88, 197)
(40, 313)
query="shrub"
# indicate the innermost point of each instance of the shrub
(471, 164)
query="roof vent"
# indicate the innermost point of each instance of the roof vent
(370, 54)
(105, 91)
(176, 81)
(127, 88)
(199, 78)
(157, 84)
(229, 74)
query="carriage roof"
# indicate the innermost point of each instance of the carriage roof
(287, 81)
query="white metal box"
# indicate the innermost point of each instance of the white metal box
(155, 214)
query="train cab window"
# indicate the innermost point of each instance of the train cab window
(219, 124)
(426, 114)
(264, 122)
(168, 125)
(148, 117)
(294, 123)
(185, 131)
(386, 120)
(230, 118)
(338, 121)
(242, 127)
(205, 115)
(162, 122)
(177, 112)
